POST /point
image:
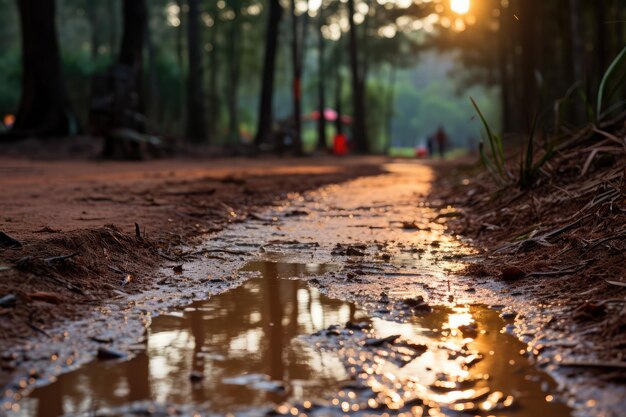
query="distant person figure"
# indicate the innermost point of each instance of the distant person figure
(430, 146)
(441, 138)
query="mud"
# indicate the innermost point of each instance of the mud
(397, 265)
(88, 230)
(279, 344)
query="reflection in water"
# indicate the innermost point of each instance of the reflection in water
(249, 330)
(471, 366)
(240, 349)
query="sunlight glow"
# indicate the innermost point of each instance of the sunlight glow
(460, 6)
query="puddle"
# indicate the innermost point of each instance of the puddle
(451, 361)
(278, 341)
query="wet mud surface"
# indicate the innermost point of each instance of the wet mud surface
(375, 324)
(74, 234)
(278, 341)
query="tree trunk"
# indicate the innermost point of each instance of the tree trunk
(503, 69)
(234, 72)
(529, 62)
(389, 108)
(131, 52)
(601, 44)
(196, 131)
(577, 40)
(321, 90)
(44, 108)
(214, 104)
(516, 87)
(112, 11)
(358, 128)
(264, 131)
(94, 28)
(577, 52)
(337, 60)
(297, 55)
(153, 86)
(338, 106)
(180, 58)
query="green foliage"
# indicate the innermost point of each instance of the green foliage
(427, 96)
(606, 90)
(495, 162)
(529, 169)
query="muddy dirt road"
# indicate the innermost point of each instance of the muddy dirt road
(339, 301)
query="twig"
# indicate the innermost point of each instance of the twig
(542, 240)
(230, 252)
(67, 285)
(166, 256)
(402, 274)
(114, 269)
(60, 258)
(606, 239)
(610, 136)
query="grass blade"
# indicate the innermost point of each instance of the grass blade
(494, 142)
(621, 57)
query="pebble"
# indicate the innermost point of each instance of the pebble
(8, 300)
(196, 376)
(509, 315)
(110, 353)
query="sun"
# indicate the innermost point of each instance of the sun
(460, 6)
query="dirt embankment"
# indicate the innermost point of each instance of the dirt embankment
(78, 233)
(562, 242)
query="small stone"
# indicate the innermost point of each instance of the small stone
(8, 300)
(102, 339)
(381, 341)
(110, 353)
(358, 326)
(196, 376)
(469, 330)
(352, 251)
(509, 315)
(512, 273)
(8, 242)
(418, 305)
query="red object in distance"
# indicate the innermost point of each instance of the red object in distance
(340, 144)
